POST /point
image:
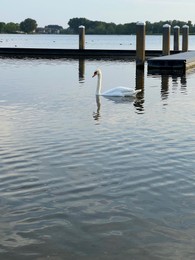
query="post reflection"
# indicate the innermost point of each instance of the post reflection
(179, 81)
(183, 84)
(164, 86)
(139, 84)
(81, 70)
(169, 79)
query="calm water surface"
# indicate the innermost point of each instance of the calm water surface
(82, 178)
(127, 42)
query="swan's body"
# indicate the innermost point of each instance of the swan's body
(114, 92)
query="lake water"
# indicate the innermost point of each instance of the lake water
(91, 41)
(86, 178)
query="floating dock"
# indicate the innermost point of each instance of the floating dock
(179, 61)
(74, 53)
(175, 61)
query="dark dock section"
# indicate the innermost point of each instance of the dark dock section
(175, 61)
(73, 53)
(179, 61)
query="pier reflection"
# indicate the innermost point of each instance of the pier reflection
(174, 79)
(164, 86)
(139, 84)
(81, 70)
(175, 82)
(169, 81)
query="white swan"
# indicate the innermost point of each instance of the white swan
(114, 92)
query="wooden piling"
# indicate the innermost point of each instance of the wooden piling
(81, 37)
(176, 34)
(185, 34)
(139, 79)
(166, 39)
(140, 44)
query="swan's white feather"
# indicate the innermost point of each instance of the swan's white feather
(120, 92)
(114, 92)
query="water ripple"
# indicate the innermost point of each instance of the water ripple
(71, 188)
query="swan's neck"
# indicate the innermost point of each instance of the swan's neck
(99, 84)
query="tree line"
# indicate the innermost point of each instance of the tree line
(27, 26)
(98, 27)
(91, 27)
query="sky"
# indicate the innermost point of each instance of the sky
(59, 12)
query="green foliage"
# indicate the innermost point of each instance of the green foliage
(98, 27)
(28, 25)
(2, 27)
(93, 27)
(11, 27)
(54, 27)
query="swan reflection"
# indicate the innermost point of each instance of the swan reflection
(137, 103)
(119, 100)
(96, 115)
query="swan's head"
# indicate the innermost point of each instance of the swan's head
(97, 73)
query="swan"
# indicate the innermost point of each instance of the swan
(114, 92)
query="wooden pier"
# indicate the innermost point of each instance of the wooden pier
(179, 61)
(175, 61)
(74, 53)
(165, 59)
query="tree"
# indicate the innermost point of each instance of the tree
(2, 27)
(74, 23)
(111, 28)
(53, 28)
(11, 27)
(28, 25)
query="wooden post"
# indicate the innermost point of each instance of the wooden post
(185, 34)
(166, 39)
(81, 37)
(176, 31)
(140, 44)
(139, 79)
